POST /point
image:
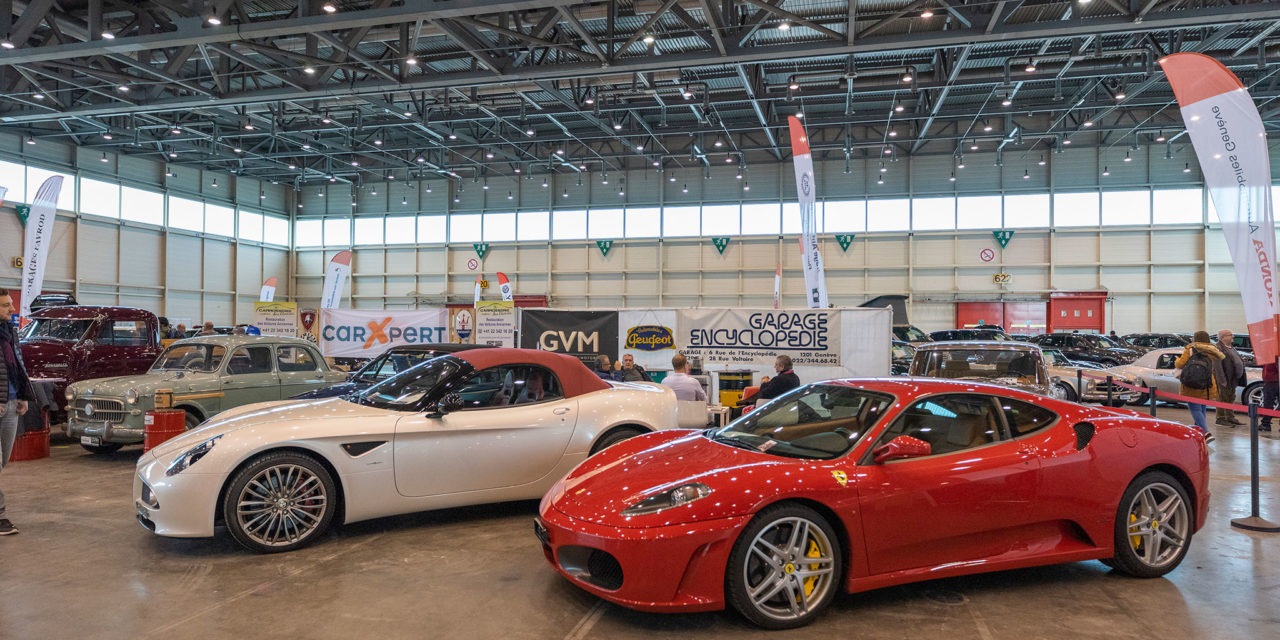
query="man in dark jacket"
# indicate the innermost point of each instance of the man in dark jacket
(785, 381)
(632, 372)
(1232, 371)
(15, 391)
(1270, 392)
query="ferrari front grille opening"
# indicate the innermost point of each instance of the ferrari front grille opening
(593, 566)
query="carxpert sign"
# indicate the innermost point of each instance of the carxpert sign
(354, 333)
(754, 337)
(585, 334)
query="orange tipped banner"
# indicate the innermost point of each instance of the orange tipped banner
(1230, 142)
(504, 285)
(335, 278)
(268, 293)
(814, 280)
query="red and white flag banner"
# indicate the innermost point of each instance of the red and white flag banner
(777, 286)
(815, 282)
(504, 284)
(479, 279)
(1230, 142)
(268, 293)
(335, 278)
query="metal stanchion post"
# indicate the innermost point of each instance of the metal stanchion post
(1079, 385)
(1254, 522)
(1151, 393)
(1110, 387)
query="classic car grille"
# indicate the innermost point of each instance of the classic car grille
(104, 410)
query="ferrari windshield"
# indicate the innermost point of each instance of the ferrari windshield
(65, 329)
(819, 421)
(404, 391)
(190, 357)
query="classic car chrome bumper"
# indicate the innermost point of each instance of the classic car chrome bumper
(123, 433)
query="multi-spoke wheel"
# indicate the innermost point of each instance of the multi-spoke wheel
(280, 502)
(1153, 527)
(785, 567)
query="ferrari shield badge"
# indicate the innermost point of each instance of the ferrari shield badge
(840, 477)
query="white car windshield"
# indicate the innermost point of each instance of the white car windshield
(404, 391)
(65, 329)
(999, 366)
(818, 421)
(190, 357)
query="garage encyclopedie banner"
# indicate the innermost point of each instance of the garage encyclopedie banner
(584, 334)
(754, 337)
(1231, 146)
(351, 333)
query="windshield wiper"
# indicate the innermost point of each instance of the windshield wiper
(734, 442)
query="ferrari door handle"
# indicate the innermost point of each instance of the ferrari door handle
(561, 411)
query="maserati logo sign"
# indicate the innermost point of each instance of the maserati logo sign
(308, 317)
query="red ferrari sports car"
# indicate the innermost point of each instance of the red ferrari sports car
(863, 484)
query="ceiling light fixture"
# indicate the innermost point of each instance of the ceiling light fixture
(893, 133)
(544, 183)
(973, 145)
(1106, 171)
(1127, 158)
(927, 13)
(292, 166)
(248, 126)
(529, 131)
(6, 44)
(906, 77)
(590, 100)
(1031, 66)
(1186, 168)
(329, 7)
(309, 70)
(411, 61)
(784, 26)
(107, 35)
(1160, 136)
(648, 38)
(38, 96)
(685, 189)
(953, 176)
(1006, 102)
(882, 167)
(1066, 141)
(746, 186)
(214, 20)
(880, 180)
(510, 197)
(306, 145)
(377, 142)
(1120, 95)
(326, 119)
(104, 157)
(428, 187)
(215, 183)
(986, 126)
(173, 153)
(899, 107)
(237, 149)
(1042, 161)
(794, 86)
(1026, 175)
(124, 88)
(106, 135)
(1088, 123)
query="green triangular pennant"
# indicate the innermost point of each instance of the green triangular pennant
(1002, 237)
(604, 246)
(482, 249)
(23, 212)
(845, 240)
(720, 244)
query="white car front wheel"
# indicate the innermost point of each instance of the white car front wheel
(280, 502)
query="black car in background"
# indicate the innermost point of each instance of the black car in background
(985, 332)
(909, 333)
(1088, 347)
(1155, 340)
(46, 300)
(389, 363)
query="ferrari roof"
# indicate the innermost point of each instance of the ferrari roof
(575, 377)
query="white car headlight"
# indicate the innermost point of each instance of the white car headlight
(681, 495)
(191, 456)
(131, 396)
(71, 394)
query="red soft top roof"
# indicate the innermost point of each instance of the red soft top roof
(574, 376)
(89, 311)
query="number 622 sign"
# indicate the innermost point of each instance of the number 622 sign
(1001, 278)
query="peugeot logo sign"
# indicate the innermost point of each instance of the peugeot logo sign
(88, 409)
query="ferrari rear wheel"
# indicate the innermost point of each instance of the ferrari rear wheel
(1153, 526)
(785, 567)
(282, 501)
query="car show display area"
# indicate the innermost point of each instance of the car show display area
(476, 572)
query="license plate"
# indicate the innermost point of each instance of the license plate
(90, 440)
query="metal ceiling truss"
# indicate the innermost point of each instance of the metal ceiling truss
(291, 91)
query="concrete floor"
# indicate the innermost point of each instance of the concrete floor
(82, 568)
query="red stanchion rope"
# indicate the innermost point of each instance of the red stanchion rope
(1182, 398)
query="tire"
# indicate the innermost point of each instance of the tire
(102, 449)
(1160, 545)
(1068, 391)
(614, 437)
(768, 591)
(1115, 403)
(1142, 400)
(192, 420)
(280, 501)
(1252, 394)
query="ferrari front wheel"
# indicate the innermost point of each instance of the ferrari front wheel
(280, 502)
(1153, 526)
(785, 567)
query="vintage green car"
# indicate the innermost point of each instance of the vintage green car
(202, 376)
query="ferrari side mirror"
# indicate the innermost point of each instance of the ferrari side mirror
(901, 447)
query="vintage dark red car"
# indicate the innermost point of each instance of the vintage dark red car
(61, 345)
(863, 484)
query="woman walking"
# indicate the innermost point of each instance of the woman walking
(1201, 365)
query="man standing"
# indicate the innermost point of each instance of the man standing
(1232, 371)
(686, 386)
(785, 381)
(632, 372)
(15, 391)
(208, 329)
(166, 331)
(1270, 392)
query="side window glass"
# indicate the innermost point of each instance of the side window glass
(507, 385)
(246, 360)
(1025, 418)
(1166, 361)
(295, 359)
(123, 333)
(948, 423)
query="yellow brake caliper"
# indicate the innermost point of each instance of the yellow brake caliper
(812, 581)
(1134, 541)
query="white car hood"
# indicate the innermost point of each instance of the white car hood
(256, 415)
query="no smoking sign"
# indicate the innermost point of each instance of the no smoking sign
(473, 264)
(987, 255)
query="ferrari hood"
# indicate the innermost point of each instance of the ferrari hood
(599, 489)
(283, 414)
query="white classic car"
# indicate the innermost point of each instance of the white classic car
(1155, 369)
(479, 426)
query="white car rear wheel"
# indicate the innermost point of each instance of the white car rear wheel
(282, 501)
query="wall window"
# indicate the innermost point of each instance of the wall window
(337, 232)
(99, 198)
(431, 229)
(721, 220)
(368, 231)
(66, 197)
(980, 212)
(186, 214)
(643, 222)
(499, 227)
(250, 226)
(140, 205)
(605, 224)
(569, 225)
(220, 220)
(761, 219)
(1126, 207)
(681, 222)
(933, 214)
(844, 216)
(533, 225)
(888, 215)
(1027, 210)
(275, 230)
(401, 230)
(466, 227)
(14, 176)
(309, 233)
(1076, 209)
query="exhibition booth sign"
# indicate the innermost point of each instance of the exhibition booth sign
(583, 334)
(754, 337)
(357, 333)
(276, 318)
(496, 323)
(649, 336)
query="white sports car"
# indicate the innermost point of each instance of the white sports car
(479, 426)
(1155, 369)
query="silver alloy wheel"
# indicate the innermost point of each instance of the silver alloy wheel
(281, 505)
(1253, 395)
(783, 580)
(1159, 525)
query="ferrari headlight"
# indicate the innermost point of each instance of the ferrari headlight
(681, 495)
(191, 456)
(131, 396)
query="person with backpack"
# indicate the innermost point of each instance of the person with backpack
(1201, 377)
